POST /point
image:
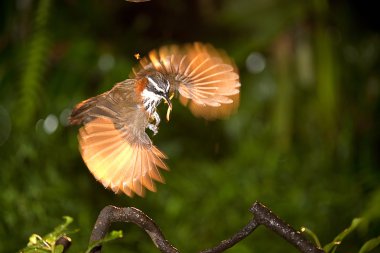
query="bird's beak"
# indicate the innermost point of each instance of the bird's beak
(170, 107)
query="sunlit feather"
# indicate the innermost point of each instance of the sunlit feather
(115, 162)
(206, 78)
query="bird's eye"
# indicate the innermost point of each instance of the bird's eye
(160, 93)
(155, 85)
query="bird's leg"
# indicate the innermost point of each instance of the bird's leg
(154, 127)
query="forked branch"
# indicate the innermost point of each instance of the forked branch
(262, 216)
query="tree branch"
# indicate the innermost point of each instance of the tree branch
(262, 216)
(228, 243)
(271, 221)
(111, 214)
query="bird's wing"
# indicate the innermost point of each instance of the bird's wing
(113, 142)
(206, 78)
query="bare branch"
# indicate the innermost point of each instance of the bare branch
(111, 214)
(262, 216)
(271, 221)
(228, 243)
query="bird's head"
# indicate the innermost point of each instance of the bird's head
(157, 89)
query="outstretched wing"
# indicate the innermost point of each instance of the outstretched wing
(205, 78)
(113, 142)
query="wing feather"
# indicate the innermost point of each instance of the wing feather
(206, 78)
(117, 164)
(114, 145)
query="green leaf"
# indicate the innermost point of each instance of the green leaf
(109, 237)
(34, 250)
(58, 249)
(370, 245)
(59, 230)
(338, 239)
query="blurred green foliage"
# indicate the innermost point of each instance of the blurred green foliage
(305, 140)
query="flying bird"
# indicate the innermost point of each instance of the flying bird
(113, 138)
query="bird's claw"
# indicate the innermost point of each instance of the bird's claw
(154, 128)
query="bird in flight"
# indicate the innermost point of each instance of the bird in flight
(113, 138)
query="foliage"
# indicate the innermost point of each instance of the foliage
(34, 67)
(304, 141)
(332, 246)
(109, 237)
(47, 242)
(370, 245)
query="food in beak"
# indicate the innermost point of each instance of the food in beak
(170, 107)
(168, 113)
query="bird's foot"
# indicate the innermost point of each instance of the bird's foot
(153, 128)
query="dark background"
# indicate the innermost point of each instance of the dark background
(305, 140)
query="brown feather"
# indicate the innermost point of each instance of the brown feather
(117, 164)
(206, 78)
(113, 142)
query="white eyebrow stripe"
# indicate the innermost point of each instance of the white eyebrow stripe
(154, 84)
(167, 87)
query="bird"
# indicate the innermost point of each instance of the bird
(113, 137)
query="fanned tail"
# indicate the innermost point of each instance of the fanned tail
(206, 78)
